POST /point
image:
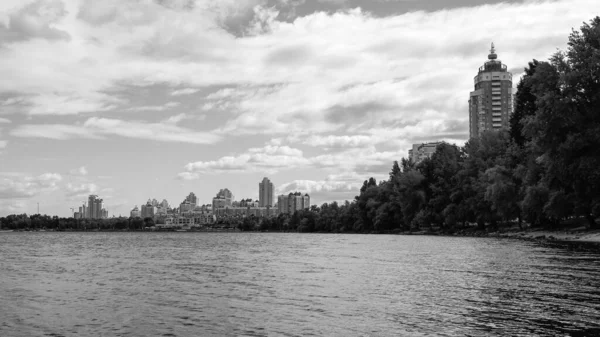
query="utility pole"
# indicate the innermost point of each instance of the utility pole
(38, 208)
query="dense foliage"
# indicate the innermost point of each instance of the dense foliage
(545, 169)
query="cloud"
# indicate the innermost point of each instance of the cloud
(270, 158)
(151, 131)
(273, 158)
(342, 141)
(312, 186)
(163, 107)
(78, 191)
(4, 121)
(336, 187)
(17, 185)
(186, 91)
(3, 144)
(53, 131)
(81, 171)
(34, 20)
(67, 104)
(98, 128)
(182, 116)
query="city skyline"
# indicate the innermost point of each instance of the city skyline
(160, 99)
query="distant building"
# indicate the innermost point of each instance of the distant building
(491, 103)
(288, 204)
(188, 204)
(165, 204)
(83, 212)
(135, 213)
(422, 151)
(265, 193)
(148, 210)
(191, 198)
(242, 212)
(94, 209)
(222, 199)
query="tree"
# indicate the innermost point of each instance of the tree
(565, 129)
(524, 105)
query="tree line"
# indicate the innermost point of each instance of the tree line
(46, 222)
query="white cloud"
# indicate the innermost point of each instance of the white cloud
(336, 187)
(332, 141)
(186, 91)
(312, 186)
(3, 144)
(151, 131)
(163, 107)
(270, 159)
(97, 128)
(53, 131)
(78, 191)
(274, 158)
(4, 121)
(81, 171)
(182, 116)
(18, 185)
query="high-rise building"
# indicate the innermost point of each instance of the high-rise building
(491, 103)
(165, 204)
(282, 203)
(293, 202)
(422, 151)
(191, 198)
(135, 212)
(223, 199)
(95, 208)
(148, 210)
(265, 193)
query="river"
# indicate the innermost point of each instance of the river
(278, 284)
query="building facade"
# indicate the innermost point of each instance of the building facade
(223, 199)
(491, 103)
(95, 208)
(148, 210)
(265, 193)
(288, 204)
(422, 151)
(135, 213)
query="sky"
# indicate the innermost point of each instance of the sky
(140, 99)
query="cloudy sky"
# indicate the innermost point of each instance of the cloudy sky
(141, 99)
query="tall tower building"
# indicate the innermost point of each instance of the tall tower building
(490, 104)
(265, 193)
(92, 210)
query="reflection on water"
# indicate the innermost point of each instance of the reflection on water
(252, 284)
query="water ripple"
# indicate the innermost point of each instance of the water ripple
(250, 284)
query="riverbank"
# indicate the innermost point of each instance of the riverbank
(578, 238)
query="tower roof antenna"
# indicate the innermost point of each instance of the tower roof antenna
(492, 55)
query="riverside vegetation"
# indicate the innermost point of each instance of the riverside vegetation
(542, 172)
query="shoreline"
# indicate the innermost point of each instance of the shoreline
(576, 239)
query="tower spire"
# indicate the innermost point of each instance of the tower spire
(492, 55)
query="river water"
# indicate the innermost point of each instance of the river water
(277, 284)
